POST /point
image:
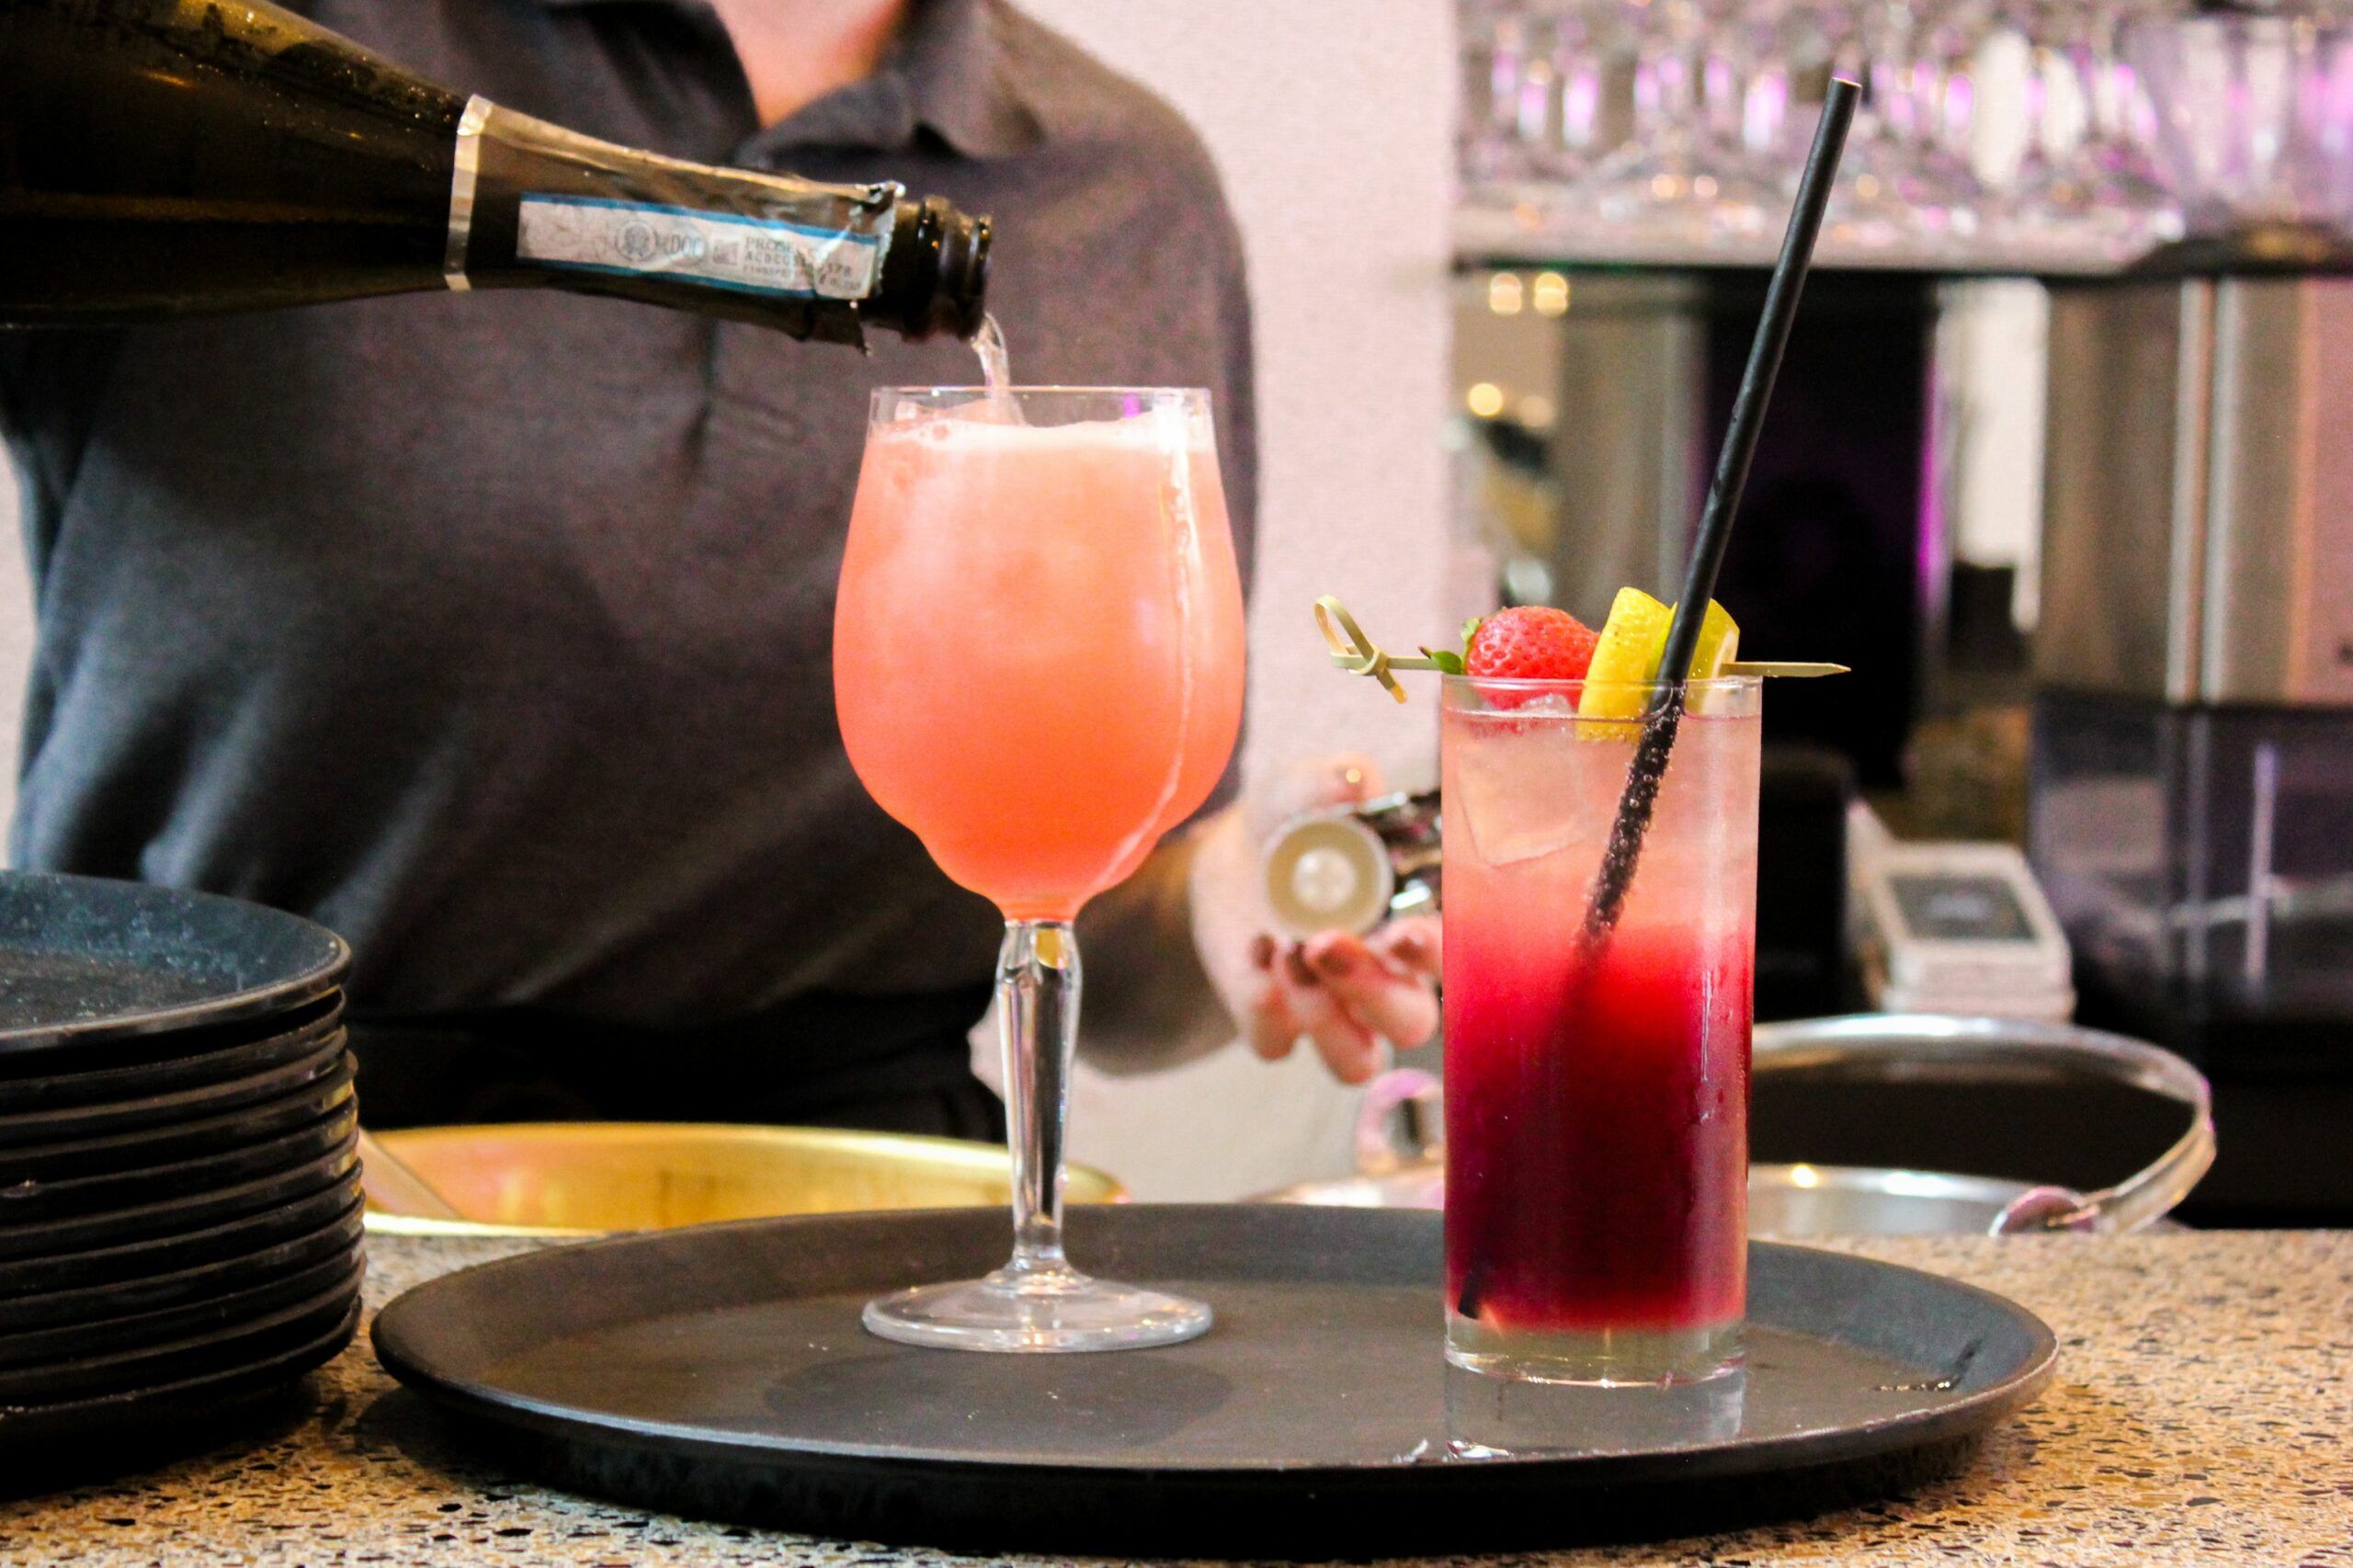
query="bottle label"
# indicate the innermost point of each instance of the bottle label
(724, 250)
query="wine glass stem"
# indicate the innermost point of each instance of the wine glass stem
(1037, 987)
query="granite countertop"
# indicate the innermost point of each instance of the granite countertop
(2203, 1413)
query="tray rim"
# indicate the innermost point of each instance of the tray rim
(351, 1219)
(198, 1396)
(1728, 1458)
(340, 1161)
(216, 1168)
(244, 1224)
(180, 1106)
(113, 1082)
(220, 1125)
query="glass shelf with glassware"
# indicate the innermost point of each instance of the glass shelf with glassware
(2053, 138)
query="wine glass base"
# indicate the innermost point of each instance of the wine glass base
(1037, 1313)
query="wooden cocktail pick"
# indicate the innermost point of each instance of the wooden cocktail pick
(1360, 655)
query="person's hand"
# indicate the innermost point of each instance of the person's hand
(1347, 993)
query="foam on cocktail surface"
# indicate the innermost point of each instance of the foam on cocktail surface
(974, 430)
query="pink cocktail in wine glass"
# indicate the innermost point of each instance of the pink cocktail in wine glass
(1038, 665)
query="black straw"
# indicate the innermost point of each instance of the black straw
(1617, 873)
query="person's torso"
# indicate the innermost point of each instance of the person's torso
(493, 630)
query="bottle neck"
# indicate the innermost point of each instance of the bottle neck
(935, 273)
(532, 204)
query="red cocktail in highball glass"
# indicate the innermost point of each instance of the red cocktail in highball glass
(1597, 1087)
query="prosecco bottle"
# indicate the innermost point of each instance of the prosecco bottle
(161, 157)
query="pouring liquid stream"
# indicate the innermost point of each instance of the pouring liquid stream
(996, 371)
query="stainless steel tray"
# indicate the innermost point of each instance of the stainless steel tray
(1399, 1159)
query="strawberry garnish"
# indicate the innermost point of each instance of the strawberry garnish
(1528, 642)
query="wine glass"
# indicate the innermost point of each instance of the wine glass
(1577, 65)
(2257, 125)
(1675, 183)
(1503, 82)
(1899, 189)
(2086, 186)
(1038, 668)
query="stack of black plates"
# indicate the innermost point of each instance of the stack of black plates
(179, 1174)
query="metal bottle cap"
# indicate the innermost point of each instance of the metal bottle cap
(1349, 870)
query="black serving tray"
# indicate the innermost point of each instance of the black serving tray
(140, 1067)
(85, 959)
(173, 1145)
(258, 1216)
(138, 1330)
(271, 1255)
(721, 1372)
(174, 1107)
(26, 1205)
(140, 1424)
(201, 1352)
(27, 1248)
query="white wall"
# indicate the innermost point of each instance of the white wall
(1332, 122)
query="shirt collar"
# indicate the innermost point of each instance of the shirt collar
(949, 71)
(962, 80)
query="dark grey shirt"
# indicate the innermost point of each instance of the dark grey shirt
(494, 629)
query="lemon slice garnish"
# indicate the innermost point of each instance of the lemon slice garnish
(1625, 656)
(1719, 646)
(1626, 659)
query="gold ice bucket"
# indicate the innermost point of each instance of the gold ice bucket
(560, 1178)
